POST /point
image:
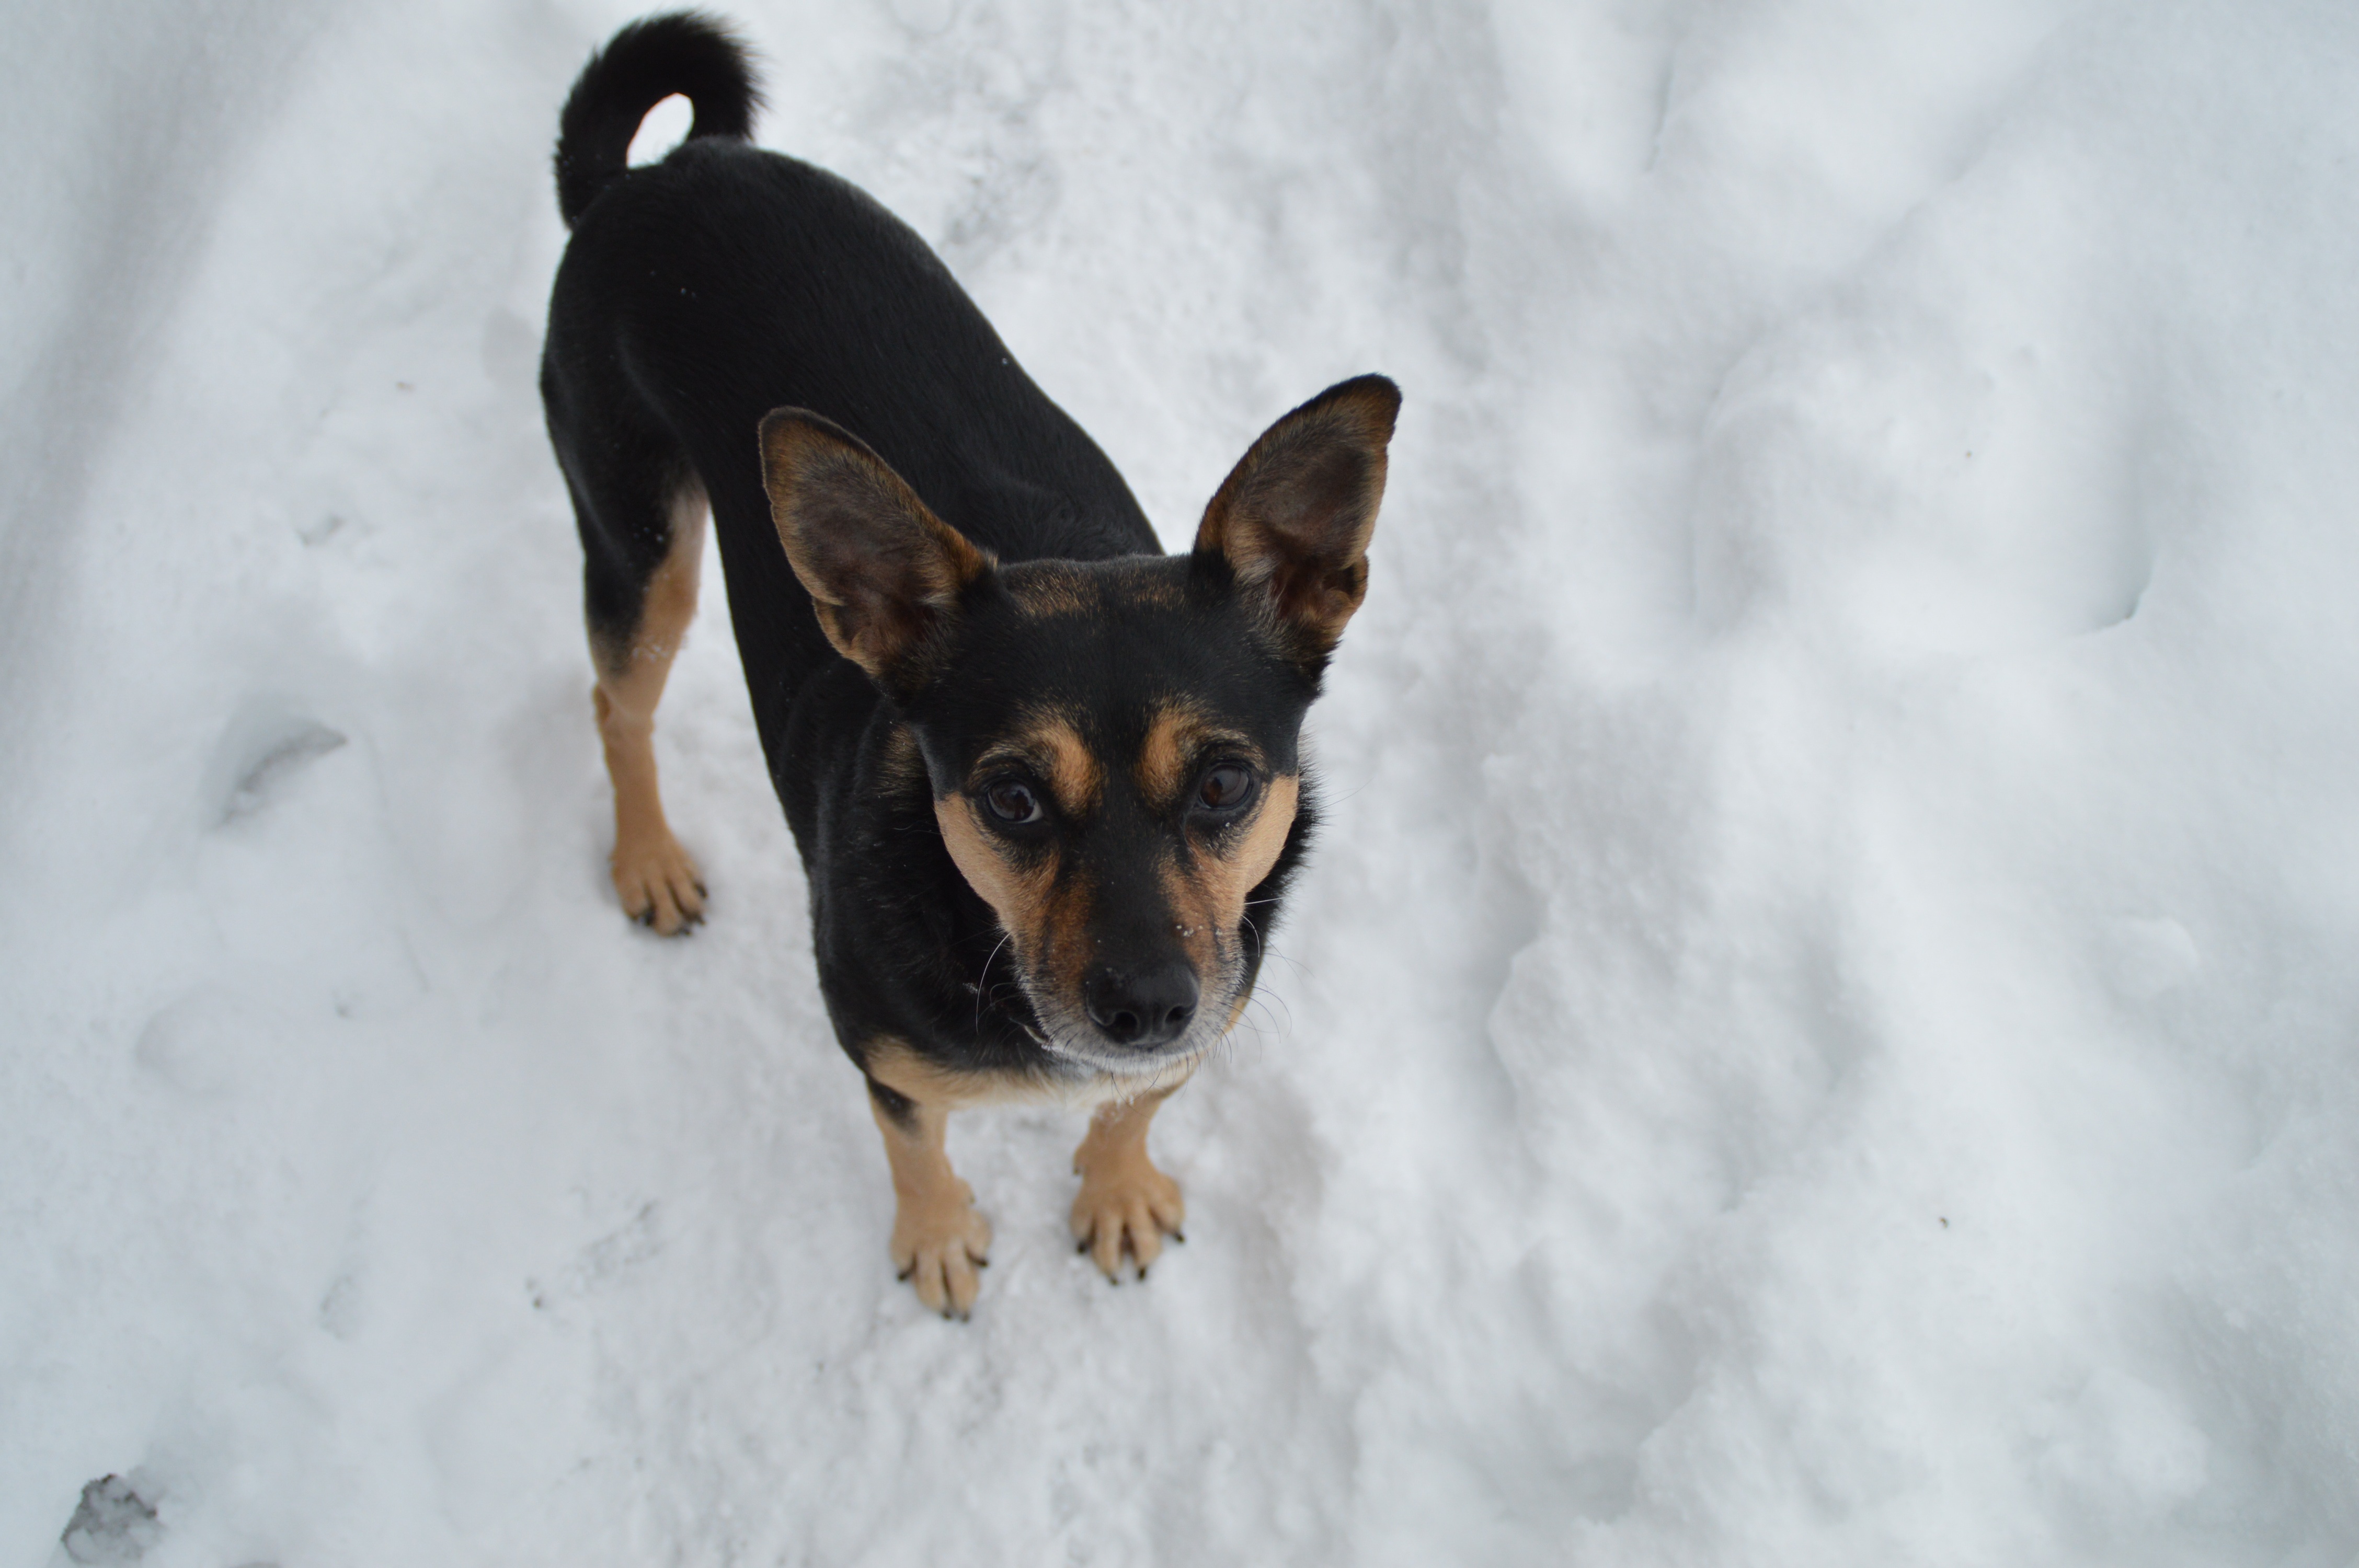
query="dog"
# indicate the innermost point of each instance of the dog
(1045, 780)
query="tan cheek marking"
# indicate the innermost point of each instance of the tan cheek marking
(1240, 870)
(1186, 894)
(1019, 895)
(1210, 896)
(1048, 924)
(1063, 960)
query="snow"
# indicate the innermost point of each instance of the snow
(1821, 1029)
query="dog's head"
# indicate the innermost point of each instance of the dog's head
(1113, 745)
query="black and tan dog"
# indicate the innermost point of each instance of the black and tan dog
(1045, 779)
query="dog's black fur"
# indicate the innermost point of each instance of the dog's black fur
(738, 322)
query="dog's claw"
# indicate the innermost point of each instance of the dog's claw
(939, 1251)
(1125, 1212)
(658, 884)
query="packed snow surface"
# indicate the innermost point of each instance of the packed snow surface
(1823, 1028)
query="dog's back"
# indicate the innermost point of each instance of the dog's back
(727, 281)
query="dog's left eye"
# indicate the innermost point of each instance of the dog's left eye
(1224, 788)
(1013, 801)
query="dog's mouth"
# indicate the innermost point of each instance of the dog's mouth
(1113, 1035)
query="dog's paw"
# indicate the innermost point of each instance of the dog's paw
(939, 1246)
(1126, 1206)
(658, 883)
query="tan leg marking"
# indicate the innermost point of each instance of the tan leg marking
(655, 879)
(1124, 1201)
(938, 1240)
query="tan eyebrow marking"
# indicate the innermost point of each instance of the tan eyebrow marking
(1177, 736)
(1051, 745)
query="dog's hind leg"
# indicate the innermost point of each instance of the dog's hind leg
(637, 622)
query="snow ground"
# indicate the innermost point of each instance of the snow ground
(1821, 1030)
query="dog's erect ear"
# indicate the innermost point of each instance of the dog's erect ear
(884, 573)
(1294, 516)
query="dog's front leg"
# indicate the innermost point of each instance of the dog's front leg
(938, 1240)
(1125, 1203)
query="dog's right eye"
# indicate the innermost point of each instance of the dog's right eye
(1012, 802)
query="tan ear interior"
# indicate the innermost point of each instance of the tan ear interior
(1294, 517)
(882, 571)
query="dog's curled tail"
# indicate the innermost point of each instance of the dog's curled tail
(684, 52)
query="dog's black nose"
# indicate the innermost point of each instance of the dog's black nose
(1141, 1007)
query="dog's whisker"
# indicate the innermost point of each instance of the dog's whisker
(1299, 967)
(984, 976)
